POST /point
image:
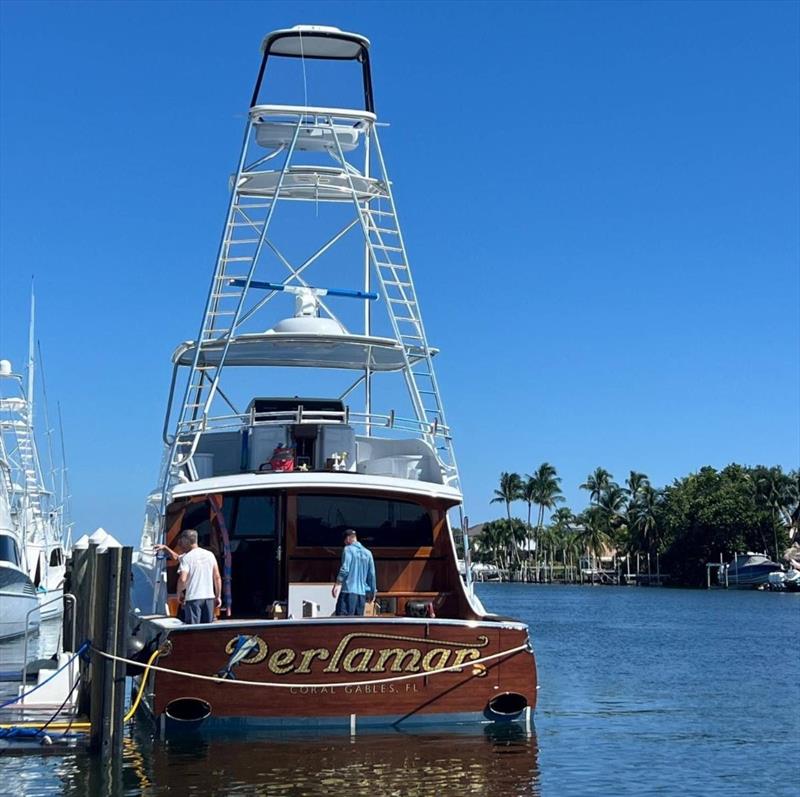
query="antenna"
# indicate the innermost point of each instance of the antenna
(48, 428)
(66, 496)
(31, 357)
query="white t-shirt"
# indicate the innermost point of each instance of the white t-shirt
(198, 565)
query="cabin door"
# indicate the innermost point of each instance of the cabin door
(254, 555)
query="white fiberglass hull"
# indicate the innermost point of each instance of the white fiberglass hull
(51, 603)
(19, 606)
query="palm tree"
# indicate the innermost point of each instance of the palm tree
(528, 495)
(636, 483)
(510, 491)
(596, 482)
(561, 529)
(613, 503)
(571, 546)
(595, 537)
(491, 544)
(545, 491)
(643, 521)
(775, 490)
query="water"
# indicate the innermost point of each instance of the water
(41, 645)
(643, 691)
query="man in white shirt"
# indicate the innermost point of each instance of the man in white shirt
(198, 576)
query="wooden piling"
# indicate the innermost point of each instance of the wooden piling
(86, 599)
(98, 634)
(110, 630)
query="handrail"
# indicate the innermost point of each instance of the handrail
(281, 417)
(63, 597)
(306, 110)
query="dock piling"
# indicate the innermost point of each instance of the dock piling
(109, 634)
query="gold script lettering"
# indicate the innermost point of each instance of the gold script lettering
(441, 653)
(399, 657)
(280, 662)
(308, 657)
(334, 665)
(470, 654)
(349, 665)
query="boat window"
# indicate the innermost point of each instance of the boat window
(256, 516)
(56, 557)
(380, 523)
(330, 84)
(8, 550)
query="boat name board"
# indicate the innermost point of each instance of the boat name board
(349, 657)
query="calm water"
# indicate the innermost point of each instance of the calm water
(643, 691)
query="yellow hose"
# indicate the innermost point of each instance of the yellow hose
(142, 683)
(85, 726)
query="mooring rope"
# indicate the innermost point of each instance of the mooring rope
(27, 692)
(374, 682)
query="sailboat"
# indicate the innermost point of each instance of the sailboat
(283, 430)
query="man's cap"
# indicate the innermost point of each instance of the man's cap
(350, 533)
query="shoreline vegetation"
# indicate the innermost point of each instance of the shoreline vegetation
(635, 532)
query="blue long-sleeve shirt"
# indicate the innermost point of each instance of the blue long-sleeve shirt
(357, 573)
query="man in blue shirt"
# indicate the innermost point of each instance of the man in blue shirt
(355, 583)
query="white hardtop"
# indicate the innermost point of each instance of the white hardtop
(344, 481)
(302, 349)
(314, 41)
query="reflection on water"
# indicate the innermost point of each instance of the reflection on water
(485, 760)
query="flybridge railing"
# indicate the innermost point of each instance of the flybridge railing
(372, 421)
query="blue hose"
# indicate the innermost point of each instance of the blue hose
(84, 647)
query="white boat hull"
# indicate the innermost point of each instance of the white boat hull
(51, 603)
(19, 606)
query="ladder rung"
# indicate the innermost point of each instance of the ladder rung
(245, 259)
(226, 295)
(384, 230)
(387, 248)
(401, 301)
(406, 318)
(397, 284)
(243, 241)
(384, 264)
(222, 312)
(376, 212)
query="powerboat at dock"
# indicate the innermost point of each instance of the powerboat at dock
(327, 419)
(749, 571)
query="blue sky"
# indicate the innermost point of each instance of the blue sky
(600, 202)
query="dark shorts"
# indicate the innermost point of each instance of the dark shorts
(350, 605)
(201, 611)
